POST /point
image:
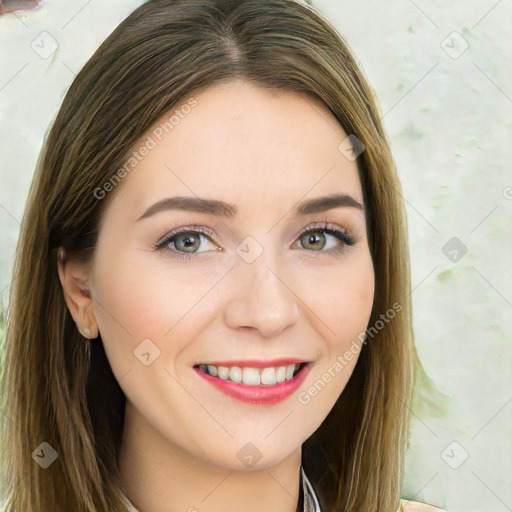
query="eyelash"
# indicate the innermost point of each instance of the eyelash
(325, 227)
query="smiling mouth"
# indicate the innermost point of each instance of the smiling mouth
(250, 376)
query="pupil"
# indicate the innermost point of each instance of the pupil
(313, 238)
(188, 240)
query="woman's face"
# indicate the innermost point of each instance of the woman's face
(249, 292)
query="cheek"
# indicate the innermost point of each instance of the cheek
(343, 299)
(345, 308)
(137, 300)
(357, 301)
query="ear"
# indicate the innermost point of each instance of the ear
(73, 277)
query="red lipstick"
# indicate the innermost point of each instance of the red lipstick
(262, 394)
(256, 363)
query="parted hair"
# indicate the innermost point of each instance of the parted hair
(57, 387)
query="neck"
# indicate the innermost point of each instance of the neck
(159, 476)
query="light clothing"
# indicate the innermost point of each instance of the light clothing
(310, 500)
(311, 503)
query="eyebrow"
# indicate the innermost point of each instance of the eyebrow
(221, 208)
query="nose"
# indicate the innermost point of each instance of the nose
(261, 298)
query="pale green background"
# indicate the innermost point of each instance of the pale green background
(449, 124)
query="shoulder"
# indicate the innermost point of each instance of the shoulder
(416, 506)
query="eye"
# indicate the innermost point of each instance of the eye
(317, 238)
(186, 241)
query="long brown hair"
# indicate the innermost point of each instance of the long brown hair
(57, 387)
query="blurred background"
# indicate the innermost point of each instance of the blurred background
(442, 75)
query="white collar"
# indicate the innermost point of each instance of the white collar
(310, 500)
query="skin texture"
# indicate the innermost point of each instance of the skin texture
(263, 152)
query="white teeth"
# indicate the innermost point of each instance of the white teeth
(289, 371)
(252, 376)
(235, 374)
(281, 374)
(223, 372)
(268, 376)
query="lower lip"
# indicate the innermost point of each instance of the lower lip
(262, 395)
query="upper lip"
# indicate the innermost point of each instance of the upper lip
(256, 363)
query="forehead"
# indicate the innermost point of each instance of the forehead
(242, 142)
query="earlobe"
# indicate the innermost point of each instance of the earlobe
(73, 278)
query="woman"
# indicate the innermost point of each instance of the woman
(167, 348)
